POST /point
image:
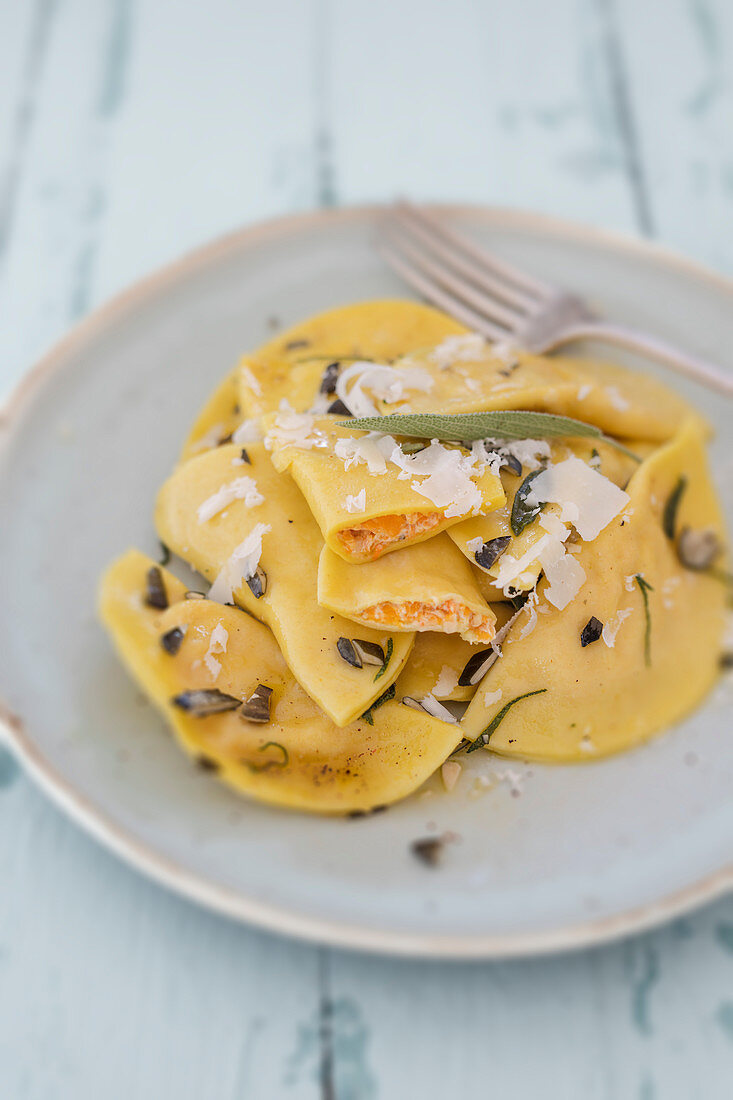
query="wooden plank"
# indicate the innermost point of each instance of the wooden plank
(679, 60)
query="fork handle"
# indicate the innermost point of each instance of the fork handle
(666, 354)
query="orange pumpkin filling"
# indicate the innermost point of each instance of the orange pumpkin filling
(372, 537)
(448, 617)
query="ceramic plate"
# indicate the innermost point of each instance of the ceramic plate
(575, 855)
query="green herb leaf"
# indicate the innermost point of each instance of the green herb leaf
(645, 588)
(383, 698)
(669, 516)
(483, 738)
(387, 659)
(522, 512)
(501, 424)
(281, 763)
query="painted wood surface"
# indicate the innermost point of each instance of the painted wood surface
(131, 130)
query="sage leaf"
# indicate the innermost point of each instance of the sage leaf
(498, 424)
(669, 516)
(522, 512)
(645, 588)
(483, 738)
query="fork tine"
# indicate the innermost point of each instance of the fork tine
(498, 267)
(440, 297)
(484, 304)
(462, 263)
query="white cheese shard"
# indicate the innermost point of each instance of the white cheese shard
(250, 379)
(447, 681)
(383, 382)
(372, 449)
(474, 545)
(583, 391)
(492, 697)
(356, 503)
(617, 399)
(447, 475)
(247, 432)
(611, 628)
(292, 429)
(241, 565)
(209, 439)
(242, 488)
(218, 640)
(450, 771)
(587, 499)
(456, 349)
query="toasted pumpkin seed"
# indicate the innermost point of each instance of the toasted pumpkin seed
(338, 408)
(348, 653)
(201, 703)
(330, 378)
(476, 667)
(491, 551)
(591, 632)
(155, 593)
(257, 707)
(257, 583)
(697, 550)
(171, 640)
(370, 652)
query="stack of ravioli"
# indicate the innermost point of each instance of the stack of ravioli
(375, 603)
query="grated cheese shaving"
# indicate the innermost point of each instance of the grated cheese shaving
(587, 499)
(447, 681)
(242, 488)
(457, 349)
(612, 627)
(250, 379)
(617, 399)
(247, 432)
(356, 503)
(387, 384)
(292, 429)
(218, 640)
(241, 565)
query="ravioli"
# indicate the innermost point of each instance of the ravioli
(299, 759)
(365, 504)
(610, 461)
(438, 661)
(622, 403)
(429, 586)
(662, 628)
(307, 633)
(292, 365)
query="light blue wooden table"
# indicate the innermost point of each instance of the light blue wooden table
(131, 130)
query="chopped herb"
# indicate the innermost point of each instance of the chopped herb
(338, 408)
(203, 702)
(645, 588)
(243, 454)
(274, 763)
(476, 666)
(522, 512)
(491, 551)
(165, 554)
(483, 738)
(155, 593)
(697, 550)
(346, 651)
(293, 345)
(504, 424)
(171, 640)
(371, 653)
(257, 707)
(669, 515)
(383, 698)
(257, 583)
(330, 378)
(428, 850)
(591, 632)
(387, 659)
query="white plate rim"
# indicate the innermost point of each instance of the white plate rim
(96, 822)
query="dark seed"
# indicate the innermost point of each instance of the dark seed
(491, 551)
(257, 707)
(476, 666)
(409, 701)
(155, 593)
(165, 554)
(347, 652)
(293, 345)
(338, 408)
(191, 595)
(698, 550)
(207, 764)
(353, 814)
(245, 457)
(370, 652)
(330, 378)
(726, 661)
(518, 599)
(171, 640)
(512, 463)
(428, 850)
(201, 703)
(257, 583)
(591, 632)
(225, 439)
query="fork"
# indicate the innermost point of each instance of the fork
(504, 304)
